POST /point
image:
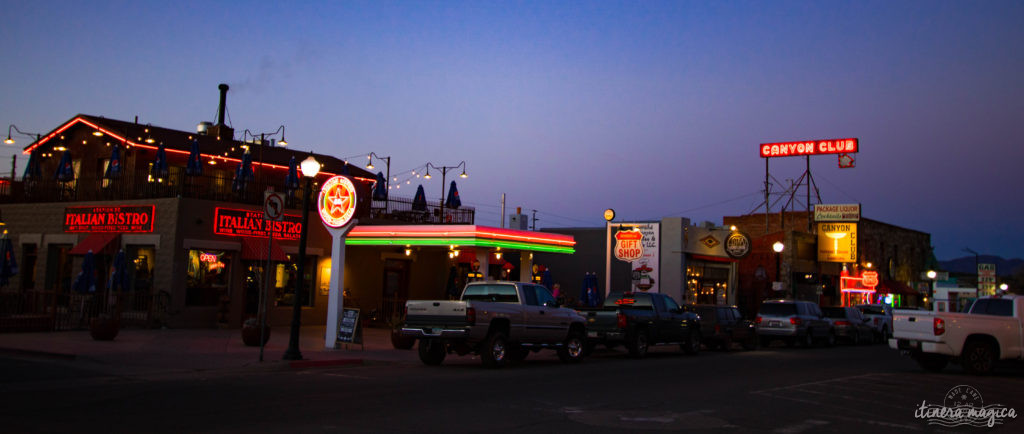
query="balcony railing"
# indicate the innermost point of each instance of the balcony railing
(396, 210)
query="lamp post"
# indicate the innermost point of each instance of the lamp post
(444, 173)
(309, 167)
(10, 141)
(977, 274)
(931, 288)
(387, 181)
(778, 247)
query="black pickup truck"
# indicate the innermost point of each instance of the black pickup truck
(640, 320)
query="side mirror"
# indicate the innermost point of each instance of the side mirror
(552, 304)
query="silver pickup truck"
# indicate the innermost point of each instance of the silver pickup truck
(500, 321)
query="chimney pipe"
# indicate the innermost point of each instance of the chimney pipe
(223, 104)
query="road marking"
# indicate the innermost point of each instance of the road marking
(792, 386)
(357, 377)
(802, 426)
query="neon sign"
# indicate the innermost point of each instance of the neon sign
(810, 147)
(337, 202)
(119, 219)
(208, 257)
(628, 246)
(246, 223)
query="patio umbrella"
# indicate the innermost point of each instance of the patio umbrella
(119, 274)
(159, 169)
(453, 200)
(546, 279)
(32, 169)
(195, 163)
(419, 202)
(380, 191)
(344, 170)
(85, 282)
(114, 168)
(291, 180)
(244, 173)
(65, 171)
(589, 295)
(8, 265)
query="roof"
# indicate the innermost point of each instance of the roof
(210, 146)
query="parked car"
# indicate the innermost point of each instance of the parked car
(500, 321)
(849, 324)
(989, 331)
(640, 320)
(793, 322)
(881, 319)
(723, 325)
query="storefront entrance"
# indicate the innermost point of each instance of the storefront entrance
(396, 288)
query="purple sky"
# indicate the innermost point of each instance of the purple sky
(652, 108)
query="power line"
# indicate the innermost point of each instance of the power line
(716, 203)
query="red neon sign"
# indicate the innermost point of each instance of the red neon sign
(121, 219)
(809, 147)
(247, 223)
(869, 279)
(208, 257)
(627, 301)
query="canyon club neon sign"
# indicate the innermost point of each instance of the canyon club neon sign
(120, 219)
(247, 223)
(809, 147)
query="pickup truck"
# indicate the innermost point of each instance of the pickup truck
(990, 330)
(500, 321)
(640, 320)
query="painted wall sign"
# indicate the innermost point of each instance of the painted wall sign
(809, 147)
(638, 244)
(847, 212)
(337, 202)
(123, 219)
(837, 242)
(737, 245)
(250, 223)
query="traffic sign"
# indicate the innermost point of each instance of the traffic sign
(273, 206)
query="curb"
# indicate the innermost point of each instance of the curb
(304, 364)
(36, 353)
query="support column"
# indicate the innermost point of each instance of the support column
(525, 266)
(482, 256)
(335, 301)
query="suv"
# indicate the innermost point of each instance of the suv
(793, 322)
(723, 325)
(881, 319)
(849, 324)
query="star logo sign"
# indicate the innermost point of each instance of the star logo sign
(337, 201)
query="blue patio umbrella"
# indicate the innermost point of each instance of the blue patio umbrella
(195, 163)
(589, 296)
(32, 169)
(291, 180)
(380, 191)
(344, 170)
(114, 168)
(546, 279)
(244, 173)
(8, 265)
(65, 170)
(159, 168)
(419, 202)
(85, 282)
(453, 200)
(119, 273)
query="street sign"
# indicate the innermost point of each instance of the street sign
(273, 206)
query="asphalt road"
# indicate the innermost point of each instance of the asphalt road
(841, 389)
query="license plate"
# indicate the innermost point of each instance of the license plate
(774, 324)
(904, 344)
(591, 334)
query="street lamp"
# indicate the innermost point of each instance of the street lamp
(309, 167)
(778, 247)
(387, 160)
(931, 288)
(1004, 287)
(444, 173)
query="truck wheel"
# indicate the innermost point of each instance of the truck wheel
(932, 362)
(808, 339)
(572, 349)
(494, 352)
(638, 345)
(830, 340)
(692, 346)
(431, 352)
(978, 357)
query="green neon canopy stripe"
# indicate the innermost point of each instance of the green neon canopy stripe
(457, 242)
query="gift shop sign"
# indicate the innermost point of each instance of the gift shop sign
(248, 223)
(809, 147)
(637, 243)
(122, 219)
(628, 245)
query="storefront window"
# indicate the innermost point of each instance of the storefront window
(142, 262)
(207, 277)
(283, 281)
(707, 283)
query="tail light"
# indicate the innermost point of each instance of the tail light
(877, 320)
(757, 320)
(938, 326)
(842, 323)
(795, 321)
(471, 315)
(718, 329)
(620, 319)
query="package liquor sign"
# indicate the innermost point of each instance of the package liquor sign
(250, 223)
(837, 242)
(847, 212)
(809, 147)
(122, 219)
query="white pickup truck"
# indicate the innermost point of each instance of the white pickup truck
(500, 321)
(990, 330)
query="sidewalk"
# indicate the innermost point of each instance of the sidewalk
(145, 351)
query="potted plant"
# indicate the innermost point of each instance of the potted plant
(251, 333)
(104, 327)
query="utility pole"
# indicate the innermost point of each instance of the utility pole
(503, 210)
(534, 220)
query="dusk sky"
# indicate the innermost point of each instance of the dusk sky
(654, 109)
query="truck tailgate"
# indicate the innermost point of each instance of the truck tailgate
(428, 313)
(914, 325)
(600, 320)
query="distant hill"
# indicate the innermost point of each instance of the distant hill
(966, 265)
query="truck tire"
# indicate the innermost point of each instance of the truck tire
(978, 357)
(431, 352)
(830, 340)
(932, 362)
(692, 346)
(494, 352)
(572, 349)
(807, 340)
(638, 344)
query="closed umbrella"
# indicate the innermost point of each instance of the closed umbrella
(114, 168)
(453, 200)
(119, 274)
(244, 173)
(590, 296)
(65, 170)
(85, 282)
(8, 265)
(546, 279)
(291, 180)
(195, 163)
(380, 191)
(159, 168)
(419, 202)
(32, 170)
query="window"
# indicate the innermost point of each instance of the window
(207, 276)
(736, 314)
(543, 295)
(778, 309)
(659, 302)
(284, 278)
(1000, 307)
(530, 297)
(495, 293)
(724, 314)
(670, 304)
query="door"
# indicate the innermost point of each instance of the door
(672, 320)
(552, 322)
(395, 289)
(741, 327)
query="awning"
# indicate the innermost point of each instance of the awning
(100, 244)
(894, 287)
(255, 249)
